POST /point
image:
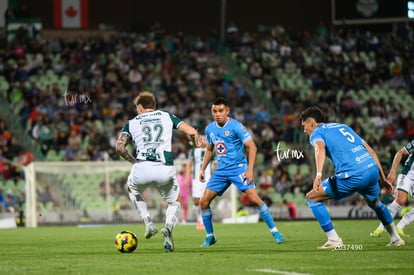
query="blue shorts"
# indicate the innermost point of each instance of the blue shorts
(222, 179)
(366, 184)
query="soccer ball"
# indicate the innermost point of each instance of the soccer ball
(126, 241)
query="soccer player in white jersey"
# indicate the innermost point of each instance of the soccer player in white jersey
(357, 169)
(151, 131)
(230, 141)
(405, 187)
(197, 155)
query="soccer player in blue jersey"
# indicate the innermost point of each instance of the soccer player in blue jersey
(357, 169)
(229, 139)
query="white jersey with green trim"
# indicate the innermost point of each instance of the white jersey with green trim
(198, 156)
(152, 134)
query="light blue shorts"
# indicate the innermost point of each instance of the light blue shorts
(222, 179)
(366, 184)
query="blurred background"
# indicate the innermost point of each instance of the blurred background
(69, 70)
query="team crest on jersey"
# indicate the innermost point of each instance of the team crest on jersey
(221, 148)
(227, 133)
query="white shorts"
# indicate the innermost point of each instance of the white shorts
(149, 173)
(198, 188)
(406, 183)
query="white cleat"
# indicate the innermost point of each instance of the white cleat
(330, 245)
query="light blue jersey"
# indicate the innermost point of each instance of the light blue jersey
(350, 157)
(228, 142)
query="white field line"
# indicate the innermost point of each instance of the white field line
(275, 271)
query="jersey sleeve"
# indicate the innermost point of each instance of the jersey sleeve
(316, 136)
(242, 132)
(175, 120)
(125, 129)
(409, 147)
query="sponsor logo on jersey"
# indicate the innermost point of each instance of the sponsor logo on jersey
(221, 148)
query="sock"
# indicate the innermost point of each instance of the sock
(208, 221)
(386, 219)
(394, 208)
(322, 216)
(141, 207)
(406, 219)
(267, 217)
(383, 213)
(172, 213)
(197, 213)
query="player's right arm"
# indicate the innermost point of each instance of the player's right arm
(320, 156)
(397, 159)
(387, 184)
(121, 149)
(206, 160)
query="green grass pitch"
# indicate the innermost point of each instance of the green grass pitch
(241, 249)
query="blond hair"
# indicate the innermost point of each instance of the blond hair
(146, 100)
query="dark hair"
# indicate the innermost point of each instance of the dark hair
(221, 100)
(313, 112)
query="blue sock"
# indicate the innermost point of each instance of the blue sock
(383, 213)
(208, 220)
(266, 216)
(321, 214)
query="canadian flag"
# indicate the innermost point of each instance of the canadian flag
(70, 13)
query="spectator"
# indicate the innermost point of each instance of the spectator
(292, 209)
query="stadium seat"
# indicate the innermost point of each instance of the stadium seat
(304, 169)
(292, 169)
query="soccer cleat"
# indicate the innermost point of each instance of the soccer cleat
(209, 241)
(399, 242)
(401, 233)
(329, 245)
(278, 237)
(168, 241)
(377, 233)
(150, 231)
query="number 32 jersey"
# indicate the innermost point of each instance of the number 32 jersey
(152, 134)
(344, 147)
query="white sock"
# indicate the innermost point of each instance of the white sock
(406, 219)
(172, 213)
(141, 208)
(197, 212)
(392, 230)
(332, 235)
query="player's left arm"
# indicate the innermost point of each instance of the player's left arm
(384, 179)
(123, 140)
(191, 133)
(251, 151)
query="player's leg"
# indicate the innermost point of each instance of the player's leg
(315, 202)
(207, 216)
(370, 192)
(394, 208)
(197, 214)
(264, 213)
(197, 191)
(404, 184)
(406, 220)
(138, 202)
(169, 190)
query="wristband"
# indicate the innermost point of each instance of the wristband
(319, 174)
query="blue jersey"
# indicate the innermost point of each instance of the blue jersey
(228, 142)
(344, 147)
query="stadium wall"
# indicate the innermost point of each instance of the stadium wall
(195, 17)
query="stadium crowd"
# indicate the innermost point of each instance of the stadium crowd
(71, 94)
